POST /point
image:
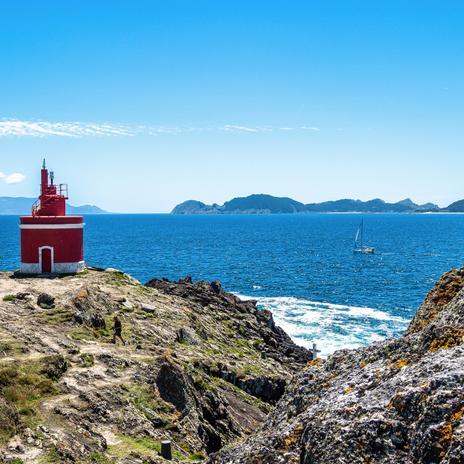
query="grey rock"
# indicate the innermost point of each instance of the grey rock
(54, 366)
(46, 301)
(148, 308)
(187, 335)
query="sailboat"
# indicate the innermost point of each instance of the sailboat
(359, 246)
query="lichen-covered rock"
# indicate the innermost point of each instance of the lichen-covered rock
(398, 401)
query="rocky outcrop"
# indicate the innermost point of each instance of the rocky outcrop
(398, 401)
(200, 367)
(217, 377)
(259, 324)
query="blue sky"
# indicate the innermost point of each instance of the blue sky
(140, 105)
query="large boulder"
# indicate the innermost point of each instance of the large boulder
(91, 305)
(174, 387)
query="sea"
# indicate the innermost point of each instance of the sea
(301, 267)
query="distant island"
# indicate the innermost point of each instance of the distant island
(268, 204)
(22, 206)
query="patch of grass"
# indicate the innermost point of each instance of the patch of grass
(117, 278)
(83, 273)
(98, 458)
(82, 333)
(145, 446)
(87, 359)
(17, 461)
(194, 456)
(51, 457)
(9, 297)
(11, 346)
(9, 421)
(57, 316)
(22, 386)
(198, 456)
(151, 406)
(87, 333)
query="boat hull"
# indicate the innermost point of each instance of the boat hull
(364, 250)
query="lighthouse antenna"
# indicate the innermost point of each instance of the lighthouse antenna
(44, 166)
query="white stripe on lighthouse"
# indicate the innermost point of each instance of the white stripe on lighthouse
(58, 268)
(52, 226)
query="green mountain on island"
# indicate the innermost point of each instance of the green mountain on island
(268, 204)
(456, 207)
(22, 206)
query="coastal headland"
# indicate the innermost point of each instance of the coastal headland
(216, 377)
(200, 367)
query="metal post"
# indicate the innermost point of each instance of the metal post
(315, 350)
(166, 450)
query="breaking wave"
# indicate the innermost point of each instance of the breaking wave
(330, 326)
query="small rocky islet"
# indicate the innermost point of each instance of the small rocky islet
(216, 377)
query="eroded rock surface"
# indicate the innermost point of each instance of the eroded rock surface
(200, 367)
(398, 401)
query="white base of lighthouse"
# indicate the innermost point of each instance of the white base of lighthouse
(57, 268)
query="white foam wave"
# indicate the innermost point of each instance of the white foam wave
(330, 326)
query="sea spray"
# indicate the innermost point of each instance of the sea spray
(330, 326)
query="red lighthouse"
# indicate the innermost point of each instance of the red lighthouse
(51, 242)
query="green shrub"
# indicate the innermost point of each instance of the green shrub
(9, 420)
(8, 376)
(21, 387)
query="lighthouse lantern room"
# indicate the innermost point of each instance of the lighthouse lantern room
(51, 242)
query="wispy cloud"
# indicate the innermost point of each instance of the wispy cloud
(61, 129)
(24, 128)
(14, 178)
(234, 128)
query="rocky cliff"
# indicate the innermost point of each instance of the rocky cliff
(215, 376)
(398, 401)
(199, 367)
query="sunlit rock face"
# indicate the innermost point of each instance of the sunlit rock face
(397, 401)
(195, 365)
